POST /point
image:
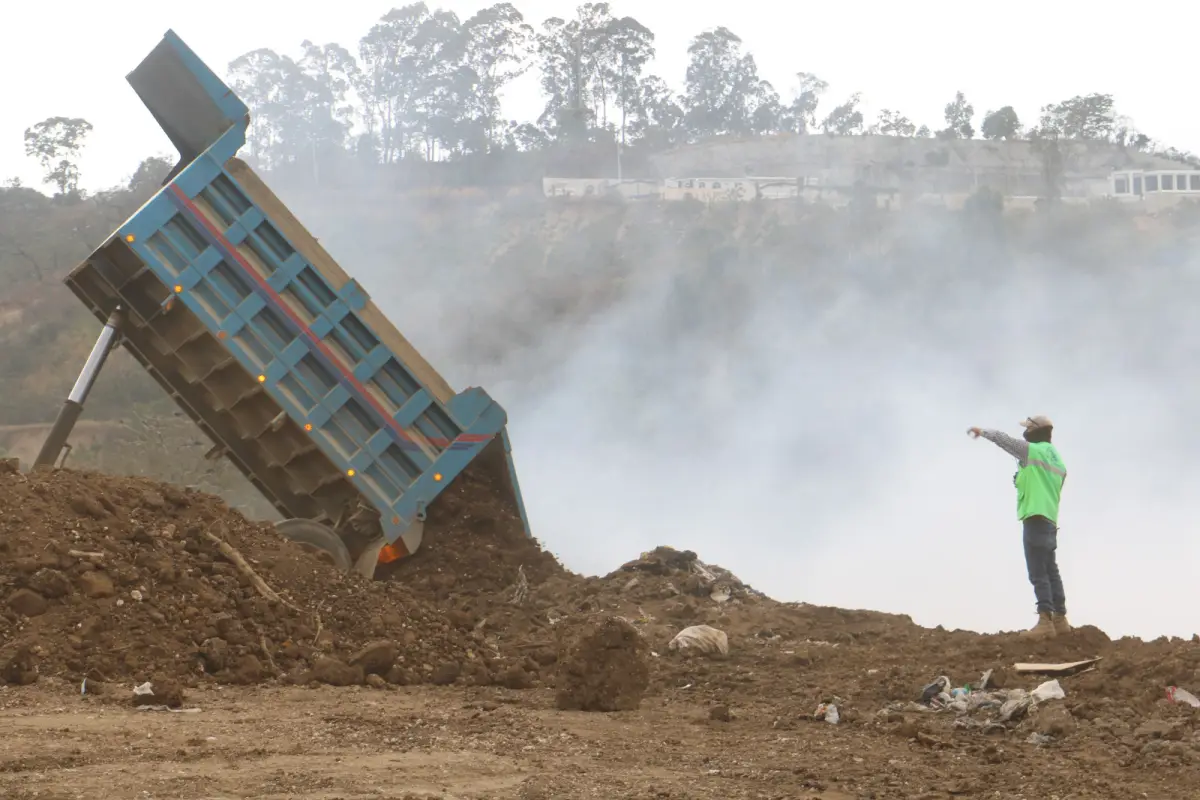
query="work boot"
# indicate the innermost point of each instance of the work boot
(1044, 628)
(1061, 625)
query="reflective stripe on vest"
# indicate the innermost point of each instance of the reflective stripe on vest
(1039, 482)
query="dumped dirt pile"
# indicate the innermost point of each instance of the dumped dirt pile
(122, 578)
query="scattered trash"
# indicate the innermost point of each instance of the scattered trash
(1016, 706)
(828, 712)
(1050, 690)
(1177, 695)
(702, 639)
(1039, 739)
(934, 690)
(172, 710)
(167, 695)
(1008, 704)
(136, 595)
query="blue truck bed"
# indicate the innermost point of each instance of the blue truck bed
(268, 345)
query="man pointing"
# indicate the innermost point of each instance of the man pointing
(1039, 481)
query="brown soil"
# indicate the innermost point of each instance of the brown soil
(603, 665)
(483, 608)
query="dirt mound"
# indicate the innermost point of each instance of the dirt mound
(122, 578)
(603, 665)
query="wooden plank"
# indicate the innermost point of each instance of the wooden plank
(316, 255)
(1066, 668)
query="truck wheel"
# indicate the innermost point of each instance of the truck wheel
(316, 536)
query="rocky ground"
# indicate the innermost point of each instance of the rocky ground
(450, 678)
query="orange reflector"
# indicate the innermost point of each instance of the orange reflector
(220, 334)
(389, 554)
(308, 426)
(262, 378)
(350, 472)
(437, 476)
(178, 288)
(129, 237)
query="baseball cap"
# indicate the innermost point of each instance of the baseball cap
(1037, 421)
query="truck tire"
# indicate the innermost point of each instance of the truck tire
(310, 533)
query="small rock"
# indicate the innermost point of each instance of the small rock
(330, 671)
(214, 654)
(27, 603)
(376, 682)
(720, 714)
(1055, 720)
(398, 676)
(376, 658)
(86, 506)
(19, 667)
(50, 583)
(515, 678)
(152, 499)
(446, 674)
(96, 584)
(10, 466)
(248, 670)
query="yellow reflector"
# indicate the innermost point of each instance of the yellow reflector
(129, 237)
(437, 476)
(350, 473)
(262, 378)
(178, 288)
(308, 426)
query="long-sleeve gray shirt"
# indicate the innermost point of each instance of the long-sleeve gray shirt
(1017, 448)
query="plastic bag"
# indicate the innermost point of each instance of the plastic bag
(701, 639)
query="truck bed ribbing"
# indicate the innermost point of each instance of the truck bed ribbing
(268, 345)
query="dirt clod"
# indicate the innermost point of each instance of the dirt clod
(96, 584)
(603, 665)
(163, 693)
(333, 672)
(27, 603)
(376, 658)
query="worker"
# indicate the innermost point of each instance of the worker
(1039, 481)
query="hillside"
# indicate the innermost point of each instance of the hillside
(516, 267)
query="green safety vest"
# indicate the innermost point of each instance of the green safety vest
(1040, 482)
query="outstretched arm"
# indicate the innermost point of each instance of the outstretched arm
(1017, 448)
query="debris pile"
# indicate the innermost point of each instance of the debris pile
(126, 580)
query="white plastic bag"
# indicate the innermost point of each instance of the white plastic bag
(1050, 690)
(702, 639)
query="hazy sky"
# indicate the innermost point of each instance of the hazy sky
(70, 58)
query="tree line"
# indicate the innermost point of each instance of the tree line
(424, 84)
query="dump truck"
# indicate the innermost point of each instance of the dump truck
(270, 347)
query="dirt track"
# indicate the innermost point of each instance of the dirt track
(118, 581)
(494, 743)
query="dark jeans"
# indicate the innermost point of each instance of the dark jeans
(1041, 543)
